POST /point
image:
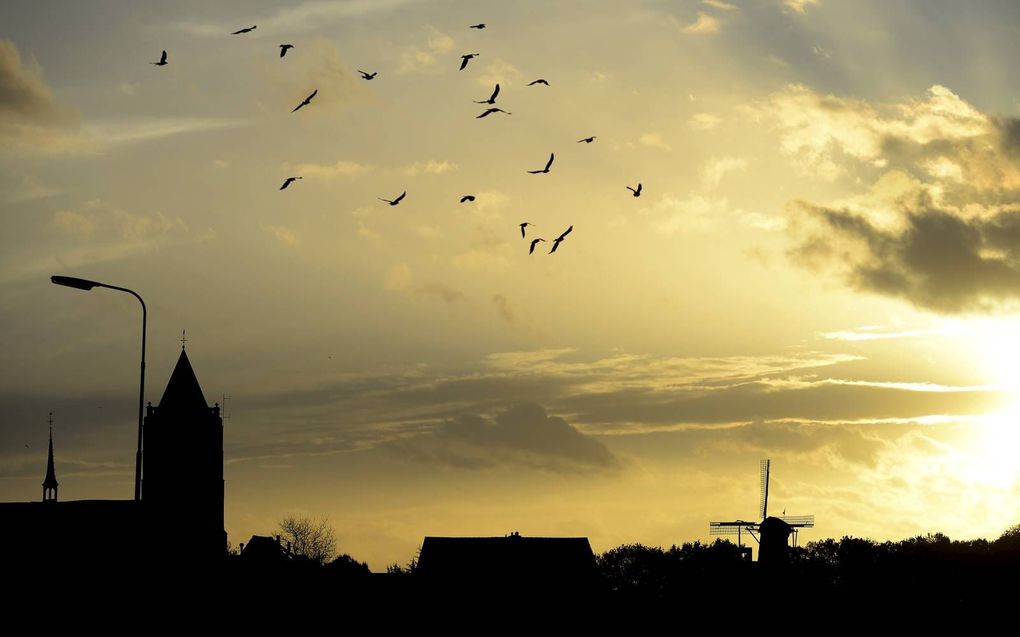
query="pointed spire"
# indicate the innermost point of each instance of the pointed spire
(183, 390)
(50, 483)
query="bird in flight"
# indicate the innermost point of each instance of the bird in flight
(490, 111)
(393, 202)
(492, 98)
(534, 242)
(306, 102)
(587, 140)
(467, 198)
(367, 76)
(559, 239)
(523, 226)
(637, 193)
(284, 48)
(249, 29)
(479, 26)
(464, 59)
(547, 165)
(162, 60)
(538, 81)
(288, 182)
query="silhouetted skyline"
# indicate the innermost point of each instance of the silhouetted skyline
(820, 267)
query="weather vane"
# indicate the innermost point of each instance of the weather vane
(183, 338)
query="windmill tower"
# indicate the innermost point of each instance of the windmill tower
(772, 534)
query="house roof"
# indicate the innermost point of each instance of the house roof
(510, 556)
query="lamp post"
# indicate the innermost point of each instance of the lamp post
(85, 284)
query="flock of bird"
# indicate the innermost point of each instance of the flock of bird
(464, 59)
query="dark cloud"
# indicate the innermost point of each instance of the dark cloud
(523, 434)
(938, 261)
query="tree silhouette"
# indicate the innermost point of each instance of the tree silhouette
(313, 538)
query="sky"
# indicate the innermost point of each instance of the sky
(823, 266)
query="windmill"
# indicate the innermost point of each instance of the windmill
(773, 533)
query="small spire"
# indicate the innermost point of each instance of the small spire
(50, 483)
(183, 339)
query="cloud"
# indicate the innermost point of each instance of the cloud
(938, 224)
(399, 278)
(703, 121)
(523, 434)
(498, 71)
(284, 235)
(342, 168)
(31, 119)
(716, 169)
(306, 16)
(704, 24)
(800, 6)
(442, 292)
(719, 4)
(144, 130)
(503, 308)
(653, 140)
(319, 67)
(426, 60)
(74, 223)
(430, 167)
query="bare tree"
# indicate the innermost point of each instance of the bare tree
(313, 538)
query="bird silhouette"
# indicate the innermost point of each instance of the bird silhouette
(559, 239)
(523, 226)
(162, 60)
(251, 28)
(479, 26)
(637, 193)
(534, 242)
(393, 202)
(284, 48)
(587, 140)
(538, 81)
(547, 165)
(367, 76)
(288, 182)
(467, 198)
(492, 98)
(490, 111)
(306, 102)
(465, 58)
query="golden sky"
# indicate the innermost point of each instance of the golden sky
(822, 267)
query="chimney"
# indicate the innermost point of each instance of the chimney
(241, 550)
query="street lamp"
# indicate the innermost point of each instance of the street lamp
(85, 284)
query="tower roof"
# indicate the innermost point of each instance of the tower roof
(50, 482)
(183, 390)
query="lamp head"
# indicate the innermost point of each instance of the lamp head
(72, 282)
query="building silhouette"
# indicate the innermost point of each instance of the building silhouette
(178, 521)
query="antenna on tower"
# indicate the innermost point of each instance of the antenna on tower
(764, 500)
(223, 408)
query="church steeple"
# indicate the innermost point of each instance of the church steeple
(50, 484)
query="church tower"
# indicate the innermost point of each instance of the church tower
(50, 484)
(182, 484)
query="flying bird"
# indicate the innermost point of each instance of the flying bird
(489, 111)
(465, 58)
(367, 76)
(492, 98)
(534, 242)
(559, 239)
(637, 193)
(467, 198)
(523, 226)
(306, 102)
(587, 140)
(547, 165)
(284, 48)
(538, 81)
(479, 26)
(393, 202)
(251, 28)
(162, 60)
(289, 181)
